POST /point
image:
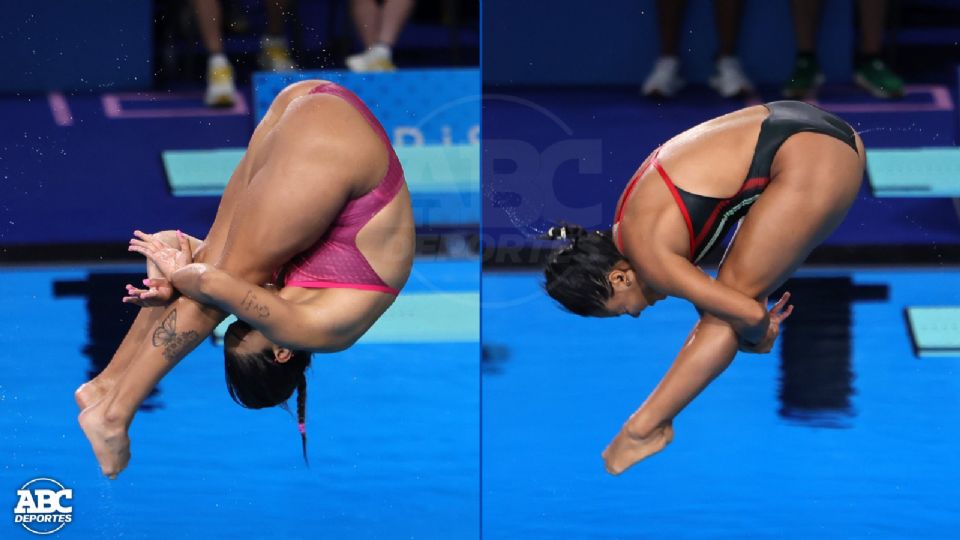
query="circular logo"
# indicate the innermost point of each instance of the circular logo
(43, 506)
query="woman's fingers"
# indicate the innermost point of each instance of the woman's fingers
(141, 250)
(184, 245)
(786, 313)
(143, 236)
(141, 243)
(149, 240)
(133, 291)
(156, 282)
(780, 303)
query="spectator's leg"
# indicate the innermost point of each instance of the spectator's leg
(670, 21)
(806, 76)
(806, 21)
(395, 15)
(873, 16)
(379, 27)
(209, 18)
(665, 80)
(276, 17)
(274, 48)
(873, 74)
(366, 17)
(729, 79)
(221, 90)
(727, 15)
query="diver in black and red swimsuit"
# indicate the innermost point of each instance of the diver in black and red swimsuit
(787, 172)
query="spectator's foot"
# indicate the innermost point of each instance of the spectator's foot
(376, 58)
(876, 77)
(221, 91)
(275, 54)
(664, 80)
(805, 79)
(729, 80)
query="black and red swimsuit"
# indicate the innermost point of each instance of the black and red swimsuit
(709, 219)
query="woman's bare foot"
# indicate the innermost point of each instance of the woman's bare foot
(109, 440)
(628, 449)
(91, 392)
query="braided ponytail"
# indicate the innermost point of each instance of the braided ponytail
(302, 415)
(258, 380)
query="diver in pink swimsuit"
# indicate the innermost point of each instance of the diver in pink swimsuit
(313, 240)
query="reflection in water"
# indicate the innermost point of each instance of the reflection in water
(816, 378)
(492, 358)
(108, 319)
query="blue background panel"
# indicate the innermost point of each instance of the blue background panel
(415, 106)
(98, 45)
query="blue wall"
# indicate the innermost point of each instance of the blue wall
(571, 42)
(93, 45)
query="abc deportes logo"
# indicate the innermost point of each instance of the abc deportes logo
(42, 506)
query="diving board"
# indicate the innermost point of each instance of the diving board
(934, 330)
(915, 172)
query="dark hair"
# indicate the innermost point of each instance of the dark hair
(576, 274)
(257, 380)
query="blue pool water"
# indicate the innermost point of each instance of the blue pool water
(841, 432)
(393, 427)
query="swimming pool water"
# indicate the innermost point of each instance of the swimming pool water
(840, 432)
(393, 429)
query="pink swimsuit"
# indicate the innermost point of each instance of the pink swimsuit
(334, 261)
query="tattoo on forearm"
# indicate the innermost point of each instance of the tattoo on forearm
(250, 303)
(173, 344)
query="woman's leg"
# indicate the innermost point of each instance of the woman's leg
(800, 208)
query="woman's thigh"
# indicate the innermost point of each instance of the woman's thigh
(237, 185)
(804, 203)
(321, 152)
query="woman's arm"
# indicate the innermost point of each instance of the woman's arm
(748, 317)
(708, 350)
(284, 322)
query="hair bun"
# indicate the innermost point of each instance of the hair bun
(565, 232)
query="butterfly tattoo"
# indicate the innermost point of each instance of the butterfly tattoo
(166, 336)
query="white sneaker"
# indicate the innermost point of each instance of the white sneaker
(729, 80)
(221, 91)
(275, 55)
(665, 78)
(376, 58)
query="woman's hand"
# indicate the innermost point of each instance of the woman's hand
(166, 258)
(158, 293)
(778, 313)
